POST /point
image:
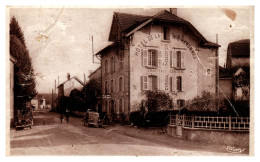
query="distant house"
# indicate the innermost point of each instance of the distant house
(238, 54)
(65, 88)
(237, 71)
(234, 79)
(95, 74)
(38, 102)
(12, 62)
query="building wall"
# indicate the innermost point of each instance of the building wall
(225, 85)
(242, 61)
(35, 102)
(121, 69)
(70, 85)
(95, 75)
(11, 91)
(194, 74)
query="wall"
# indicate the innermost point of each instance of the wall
(224, 137)
(195, 79)
(240, 62)
(225, 85)
(11, 91)
(70, 85)
(121, 70)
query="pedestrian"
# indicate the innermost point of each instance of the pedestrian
(67, 115)
(61, 118)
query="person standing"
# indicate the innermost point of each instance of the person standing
(67, 115)
(61, 118)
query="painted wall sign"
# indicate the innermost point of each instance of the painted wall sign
(186, 43)
(143, 43)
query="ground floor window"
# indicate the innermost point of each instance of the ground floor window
(149, 82)
(180, 103)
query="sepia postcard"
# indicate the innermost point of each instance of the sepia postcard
(124, 81)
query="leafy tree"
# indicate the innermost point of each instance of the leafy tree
(24, 78)
(91, 91)
(158, 101)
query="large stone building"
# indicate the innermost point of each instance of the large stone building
(161, 53)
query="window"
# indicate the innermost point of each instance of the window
(112, 86)
(166, 33)
(112, 106)
(121, 84)
(179, 83)
(121, 105)
(177, 59)
(208, 72)
(152, 58)
(106, 66)
(106, 87)
(180, 103)
(150, 82)
(112, 63)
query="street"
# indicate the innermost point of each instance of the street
(50, 137)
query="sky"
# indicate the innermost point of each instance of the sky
(59, 39)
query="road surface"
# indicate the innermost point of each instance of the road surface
(50, 137)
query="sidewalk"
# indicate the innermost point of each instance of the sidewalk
(159, 136)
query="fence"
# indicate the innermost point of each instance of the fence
(204, 122)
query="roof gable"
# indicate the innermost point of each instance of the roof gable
(240, 48)
(127, 24)
(76, 78)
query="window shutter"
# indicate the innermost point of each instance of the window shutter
(159, 83)
(173, 83)
(144, 82)
(159, 58)
(183, 84)
(145, 57)
(182, 59)
(123, 106)
(173, 58)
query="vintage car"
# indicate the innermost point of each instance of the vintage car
(92, 119)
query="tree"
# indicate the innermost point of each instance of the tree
(92, 90)
(158, 101)
(24, 78)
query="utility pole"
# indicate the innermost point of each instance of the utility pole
(217, 73)
(52, 100)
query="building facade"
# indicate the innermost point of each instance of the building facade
(159, 53)
(12, 110)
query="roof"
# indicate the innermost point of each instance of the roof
(95, 71)
(76, 78)
(126, 21)
(129, 23)
(224, 72)
(240, 48)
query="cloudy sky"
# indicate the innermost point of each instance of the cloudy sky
(59, 39)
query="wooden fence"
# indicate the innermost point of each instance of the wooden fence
(206, 122)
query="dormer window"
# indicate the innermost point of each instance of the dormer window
(166, 33)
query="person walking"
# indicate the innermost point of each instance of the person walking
(67, 115)
(61, 118)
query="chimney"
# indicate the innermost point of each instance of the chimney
(173, 11)
(68, 76)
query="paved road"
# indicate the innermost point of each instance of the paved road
(50, 137)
